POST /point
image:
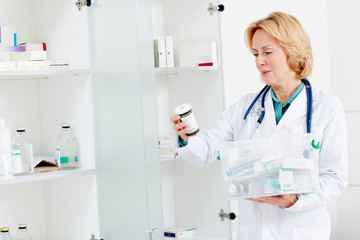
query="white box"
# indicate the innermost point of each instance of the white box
(32, 65)
(29, 56)
(169, 51)
(160, 56)
(7, 36)
(179, 232)
(7, 66)
(34, 46)
(198, 53)
(5, 56)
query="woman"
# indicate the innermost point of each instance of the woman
(283, 57)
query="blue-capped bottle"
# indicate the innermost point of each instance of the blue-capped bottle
(68, 149)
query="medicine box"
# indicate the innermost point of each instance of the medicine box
(198, 54)
(271, 166)
(160, 52)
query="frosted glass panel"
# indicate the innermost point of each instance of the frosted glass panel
(123, 81)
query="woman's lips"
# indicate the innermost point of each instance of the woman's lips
(264, 73)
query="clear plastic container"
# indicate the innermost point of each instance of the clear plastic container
(22, 161)
(22, 233)
(271, 166)
(68, 149)
(4, 234)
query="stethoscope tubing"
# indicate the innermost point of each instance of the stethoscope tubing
(263, 93)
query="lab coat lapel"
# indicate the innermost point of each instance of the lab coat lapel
(296, 109)
(269, 110)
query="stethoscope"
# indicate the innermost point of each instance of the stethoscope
(263, 93)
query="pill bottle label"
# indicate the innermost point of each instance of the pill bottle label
(16, 161)
(186, 115)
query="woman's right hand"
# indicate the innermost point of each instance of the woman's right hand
(180, 127)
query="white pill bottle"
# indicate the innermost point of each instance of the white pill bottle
(186, 115)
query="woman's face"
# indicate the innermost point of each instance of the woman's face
(271, 60)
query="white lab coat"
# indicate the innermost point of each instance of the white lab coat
(308, 218)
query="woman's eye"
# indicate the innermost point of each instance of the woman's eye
(256, 54)
(268, 53)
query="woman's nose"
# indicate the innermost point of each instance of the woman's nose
(260, 60)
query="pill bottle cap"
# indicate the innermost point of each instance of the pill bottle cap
(65, 125)
(182, 108)
(22, 226)
(20, 130)
(4, 229)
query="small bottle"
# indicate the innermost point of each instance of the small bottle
(237, 189)
(68, 149)
(186, 115)
(4, 234)
(253, 188)
(5, 148)
(22, 154)
(22, 233)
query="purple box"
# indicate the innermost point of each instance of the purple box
(12, 48)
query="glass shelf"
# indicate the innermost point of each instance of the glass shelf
(41, 74)
(177, 70)
(6, 180)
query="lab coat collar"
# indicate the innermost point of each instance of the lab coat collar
(297, 109)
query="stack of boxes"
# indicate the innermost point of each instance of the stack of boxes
(27, 56)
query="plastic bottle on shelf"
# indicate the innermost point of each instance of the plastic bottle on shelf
(22, 233)
(22, 161)
(68, 149)
(5, 143)
(4, 234)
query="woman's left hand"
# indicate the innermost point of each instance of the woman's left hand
(282, 200)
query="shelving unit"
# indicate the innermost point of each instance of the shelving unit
(41, 101)
(42, 74)
(185, 188)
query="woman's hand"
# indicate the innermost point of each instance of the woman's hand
(180, 127)
(282, 200)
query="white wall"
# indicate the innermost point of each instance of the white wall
(64, 29)
(24, 22)
(71, 205)
(344, 38)
(240, 73)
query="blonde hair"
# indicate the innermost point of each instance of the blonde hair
(290, 35)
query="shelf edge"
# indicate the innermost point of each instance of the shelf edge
(7, 180)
